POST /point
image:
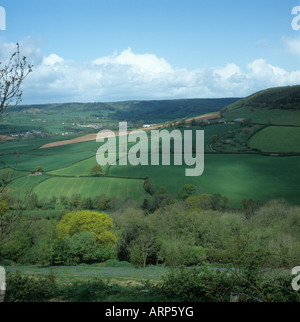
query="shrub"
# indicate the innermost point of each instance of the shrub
(26, 289)
(83, 248)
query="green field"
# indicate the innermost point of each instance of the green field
(275, 117)
(82, 168)
(20, 187)
(92, 187)
(120, 275)
(234, 176)
(277, 139)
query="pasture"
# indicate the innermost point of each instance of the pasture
(277, 139)
(235, 176)
(119, 275)
(92, 187)
(264, 116)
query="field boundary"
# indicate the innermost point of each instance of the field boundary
(69, 165)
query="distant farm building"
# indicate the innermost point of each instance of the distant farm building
(239, 120)
(148, 125)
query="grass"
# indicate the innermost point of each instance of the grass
(120, 275)
(92, 187)
(275, 117)
(277, 139)
(28, 162)
(20, 187)
(82, 168)
(234, 176)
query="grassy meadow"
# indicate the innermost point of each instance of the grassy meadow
(277, 139)
(91, 188)
(236, 176)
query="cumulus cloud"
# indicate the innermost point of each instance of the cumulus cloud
(129, 75)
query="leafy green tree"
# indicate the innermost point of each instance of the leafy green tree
(82, 248)
(149, 187)
(142, 248)
(103, 204)
(193, 122)
(44, 241)
(186, 191)
(81, 221)
(88, 204)
(39, 169)
(33, 202)
(178, 251)
(4, 223)
(146, 206)
(162, 190)
(96, 170)
(214, 138)
(75, 201)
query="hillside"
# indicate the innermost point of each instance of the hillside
(168, 110)
(287, 98)
(156, 110)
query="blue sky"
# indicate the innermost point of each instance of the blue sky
(106, 50)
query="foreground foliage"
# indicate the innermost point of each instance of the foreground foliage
(181, 285)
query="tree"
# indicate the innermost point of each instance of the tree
(149, 187)
(193, 122)
(186, 191)
(12, 76)
(214, 138)
(39, 169)
(81, 221)
(33, 202)
(162, 190)
(103, 204)
(82, 248)
(141, 248)
(75, 201)
(4, 220)
(96, 170)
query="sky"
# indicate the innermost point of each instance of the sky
(115, 50)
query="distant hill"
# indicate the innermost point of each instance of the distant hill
(285, 98)
(165, 110)
(149, 111)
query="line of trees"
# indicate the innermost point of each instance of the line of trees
(188, 228)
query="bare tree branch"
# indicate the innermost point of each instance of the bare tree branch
(12, 76)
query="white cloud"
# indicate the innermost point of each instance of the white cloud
(52, 59)
(146, 64)
(129, 75)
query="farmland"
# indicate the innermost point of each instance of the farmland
(92, 187)
(277, 139)
(243, 209)
(240, 172)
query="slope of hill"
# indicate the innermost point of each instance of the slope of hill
(287, 98)
(168, 110)
(158, 110)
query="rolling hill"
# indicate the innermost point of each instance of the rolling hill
(257, 159)
(286, 98)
